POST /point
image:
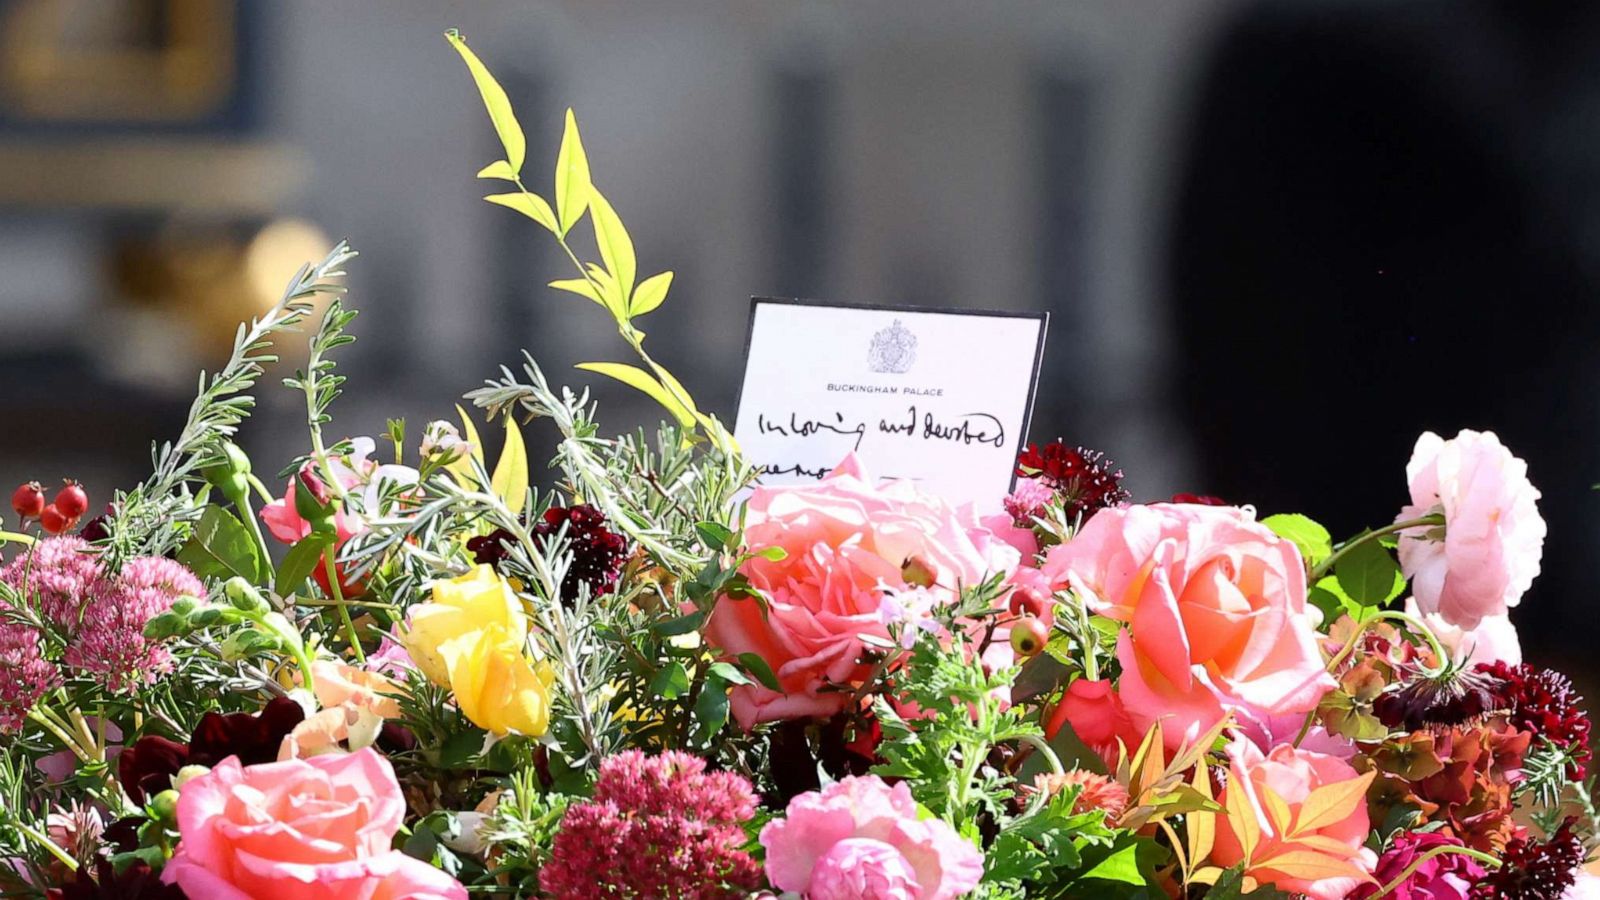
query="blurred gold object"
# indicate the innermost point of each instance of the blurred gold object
(117, 60)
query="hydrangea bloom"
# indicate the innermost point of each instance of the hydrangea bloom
(658, 826)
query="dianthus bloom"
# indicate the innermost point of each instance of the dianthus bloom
(861, 838)
(25, 675)
(1083, 479)
(1543, 702)
(1485, 556)
(1448, 876)
(597, 551)
(658, 826)
(112, 644)
(1535, 870)
(58, 577)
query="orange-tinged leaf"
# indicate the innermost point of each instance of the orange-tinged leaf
(1332, 846)
(1277, 810)
(1333, 803)
(1310, 866)
(1241, 816)
(1202, 826)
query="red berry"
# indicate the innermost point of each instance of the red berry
(52, 521)
(1027, 602)
(71, 500)
(28, 500)
(1028, 636)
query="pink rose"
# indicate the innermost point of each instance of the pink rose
(1493, 640)
(861, 838)
(1297, 819)
(846, 541)
(1215, 608)
(313, 829)
(1487, 553)
(1097, 718)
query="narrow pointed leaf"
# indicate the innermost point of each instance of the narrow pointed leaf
(572, 177)
(495, 100)
(616, 248)
(641, 380)
(531, 205)
(583, 287)
(498, 169)
(651, 293)
(510, 479)
(1333, 803)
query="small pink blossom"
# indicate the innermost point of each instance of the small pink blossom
(1449, 876)
(862, 838)
(112, 644)
(25, 675)
(1028, 500)
(1487, 553)
(58, 577)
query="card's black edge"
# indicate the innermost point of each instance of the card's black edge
(1042, 316)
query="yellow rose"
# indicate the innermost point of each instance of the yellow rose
(462, 606)
(495, 683)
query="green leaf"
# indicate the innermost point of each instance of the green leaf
(221, 547)
(679, 625)
(772, 554)
(298, 564)
(1369, 574)
(1329, 597)
(726, 672)
(583, 287)
(651, 293)
(711, 708)
(461, 749)
(1122, 865)
(498, 169)
(1313, 540)
(635, 377)
(495, 100)
(531, 205)
(572, 177)
(616, 248)
(714, 535)
(756, 666)
(671, 682)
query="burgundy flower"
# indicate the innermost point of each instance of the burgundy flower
(597, 552)
(147, 766)
(1543, 701)
(1199, 499)
(1448, 876)
(136, 882)
(1534, 870)
(1452, 697)
(1083, 479)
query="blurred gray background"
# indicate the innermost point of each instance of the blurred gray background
(1277, 239)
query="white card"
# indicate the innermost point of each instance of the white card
(942, 397)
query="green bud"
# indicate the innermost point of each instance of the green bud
(167, 625)
(209, 616)
(246, 643)
(231, 475)
(184, 605)
(244, 596)
(164, 807)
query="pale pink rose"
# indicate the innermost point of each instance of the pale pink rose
(1324, 858)
(846, 540)
(1215, 609)
(314, 829)
(887, 851)
(1494, 639)
(340, 684)
(1487, 553)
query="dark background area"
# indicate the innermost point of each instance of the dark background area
(1278, 239)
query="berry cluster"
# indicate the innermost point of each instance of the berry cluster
(59, 515)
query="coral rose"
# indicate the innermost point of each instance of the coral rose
(315, 829)
(1215, 608)
(1296, 819)
(1487, 553)
(845, 542)
(861, 838)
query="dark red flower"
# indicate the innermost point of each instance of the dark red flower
(136, 882)
(1199, 499)
(1534, 870)
(490, 549)
(1083, 479)
(1543, 701)
(597, 552)
(1453, 697)
(147, 766)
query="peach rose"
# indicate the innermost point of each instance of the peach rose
(1296, 819)
(314, 829)
(1215, 608)
(846, 541)
(1486, 555)
(1097, 717)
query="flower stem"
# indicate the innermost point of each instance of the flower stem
(50, 846)
(344, 609)
(1327, 565)
(1418, 863)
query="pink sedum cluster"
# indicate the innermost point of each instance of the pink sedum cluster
(25, 675)
(310, 829)
(658, 826)
(112, 644)
(846, 541)
(60, 575)
(860, 839)
(1487, 553)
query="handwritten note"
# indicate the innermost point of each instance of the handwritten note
(942, 397)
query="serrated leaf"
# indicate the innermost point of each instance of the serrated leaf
(616, 247)
(1369, 574)
(298, 564)
(510, 479)
(221, 547)
(638, 378)
(572, 177)
(651, 293)
(583, 287)
(505, 122)
(1312, 539)
(531, 205)
(498, 169)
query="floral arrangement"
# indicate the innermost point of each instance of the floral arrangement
(410, 673)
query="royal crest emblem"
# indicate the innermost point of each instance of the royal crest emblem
(893, 350)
